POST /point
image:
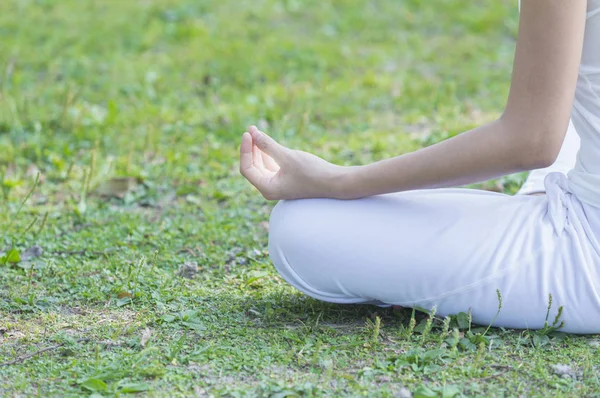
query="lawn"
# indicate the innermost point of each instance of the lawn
(135, 255)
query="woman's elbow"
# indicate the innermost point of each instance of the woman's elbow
(534, 147)
(546, 156)
(539, 150)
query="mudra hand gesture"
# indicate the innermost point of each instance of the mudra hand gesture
(282, 173)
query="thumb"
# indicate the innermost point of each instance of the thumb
(267, 144)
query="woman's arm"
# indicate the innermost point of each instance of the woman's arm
(530, 132)
(528, 135)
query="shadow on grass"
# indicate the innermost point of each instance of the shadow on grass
(288, 309)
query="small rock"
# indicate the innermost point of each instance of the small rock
(595, 343)
(561, 369)
(404, 393)
(146, 334)
(31, 253)
(188, 270)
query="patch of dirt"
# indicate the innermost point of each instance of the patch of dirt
(73, 321)
(567, 371)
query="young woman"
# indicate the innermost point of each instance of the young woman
(392, 233)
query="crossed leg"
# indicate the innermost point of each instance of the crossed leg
(448, 248)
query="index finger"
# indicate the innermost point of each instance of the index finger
(247, 167)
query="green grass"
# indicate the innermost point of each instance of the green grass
(145, 101)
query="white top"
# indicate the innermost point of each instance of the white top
(585, 178)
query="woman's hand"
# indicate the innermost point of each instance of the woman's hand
(282, 173)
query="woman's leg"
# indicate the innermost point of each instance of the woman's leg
(446, 248)
(564, 163)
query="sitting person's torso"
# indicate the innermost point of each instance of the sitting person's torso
(585, 178)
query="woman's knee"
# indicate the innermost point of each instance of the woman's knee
(293, 242)
(285, 218)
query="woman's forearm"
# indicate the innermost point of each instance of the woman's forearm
(489, 151)
(527, 136)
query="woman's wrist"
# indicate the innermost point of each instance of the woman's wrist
(344, 183)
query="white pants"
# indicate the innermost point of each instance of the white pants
(449, 248)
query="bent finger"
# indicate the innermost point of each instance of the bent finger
(246, 154)
(268, 145)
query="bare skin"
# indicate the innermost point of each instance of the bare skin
(527, 136)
